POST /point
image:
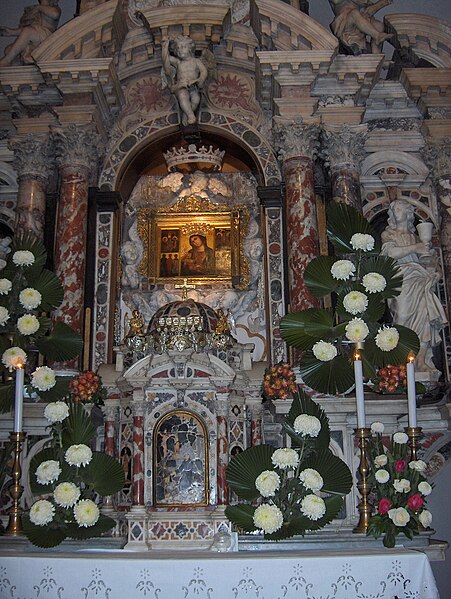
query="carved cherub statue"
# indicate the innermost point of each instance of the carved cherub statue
(185, 74)
(36, 24)
(354, 22)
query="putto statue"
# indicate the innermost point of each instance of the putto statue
(185, 74)
(417, 306)
(36, 24)
(354, 23)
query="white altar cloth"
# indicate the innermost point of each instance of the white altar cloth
(375, 574)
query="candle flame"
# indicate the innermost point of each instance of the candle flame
(356, 355)
(19, 364)
(411, 358)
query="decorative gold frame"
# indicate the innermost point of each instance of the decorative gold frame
(206, 460)
(194, 215)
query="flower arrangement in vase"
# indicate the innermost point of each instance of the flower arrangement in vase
(298, 488)
(68, 476)
(360, 281)
(27, 292)
(87, 388)
(399, 489)
(279, 382)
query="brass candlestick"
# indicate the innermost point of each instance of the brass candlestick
(414, 433)
(364, 507)
(14, 527)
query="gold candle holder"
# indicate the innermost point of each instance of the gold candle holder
(364, 507)
(414, 433)
(14, 527)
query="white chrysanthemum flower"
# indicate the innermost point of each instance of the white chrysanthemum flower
(387, 338)
(382, 476)
(311, 479)
(402, 486)
(5, 286)
(309, 426)
(56, 412)
(342, 269)
(425, 518)
(86, 513)
(425, 488)
(374, 282)
(377, 428)
(28, 324)
(4, 315)
(14, 356)
(268, 518)
(362, 241)
(23, 258)
(267, 483)
(417, 465)
(324, 351)
(285, 458)
(78, 455)
(30, 298)
(400, 438)
(47, 472)
(355, 302)
(42, 512)
(356, 330)
(66, 494)
(380, 460)
(43, 378)
(313, 507)
(400, 516)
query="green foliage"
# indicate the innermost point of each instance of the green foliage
(62, 344)
(104, 474)
(245, 467)
(77, 427)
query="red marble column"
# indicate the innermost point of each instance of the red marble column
(32, 160)
(138, 453)
(222, 413)
(76, 155)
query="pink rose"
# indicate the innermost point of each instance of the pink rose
(384, 506)
(400, 465)
(415, 502)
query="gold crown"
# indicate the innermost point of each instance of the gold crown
(189, 158)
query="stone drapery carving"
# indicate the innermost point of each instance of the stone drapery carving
(354, 23)
(416, 307)
(36, 24)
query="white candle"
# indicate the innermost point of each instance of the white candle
(359, 394)
(18, 404)
(411, 394)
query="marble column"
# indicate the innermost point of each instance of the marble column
(32, 164)
(222, 420)
(255, 408)
(76, 155)
(138, 408)
(298, 145)
(343, 151)
(110, 410)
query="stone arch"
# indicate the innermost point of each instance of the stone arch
(128, 147)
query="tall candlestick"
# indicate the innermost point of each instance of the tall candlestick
(18, 403)
(359, 394)
(411, 393)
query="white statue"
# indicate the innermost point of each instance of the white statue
(417, 306)
(186, 75)
(36, 24)
(354, 21)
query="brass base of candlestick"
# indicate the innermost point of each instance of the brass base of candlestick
(414, 433)
(364, 507)
(14, 527)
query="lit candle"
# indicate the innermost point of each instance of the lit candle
(359, 394)
(411, 394)
(18, 404)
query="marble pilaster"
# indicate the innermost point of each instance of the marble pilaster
(31, 162)
(298, 145)
(255, 408)
(343, 151)
(76, 155)
(138, 408)
(110, 412)
(222, 413)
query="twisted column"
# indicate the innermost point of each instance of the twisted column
(32, 158)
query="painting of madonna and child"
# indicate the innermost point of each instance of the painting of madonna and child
(197, 253)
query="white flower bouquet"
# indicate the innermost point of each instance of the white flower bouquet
(28, 291)
(298, 488)
(68, 477)
(360, 281)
